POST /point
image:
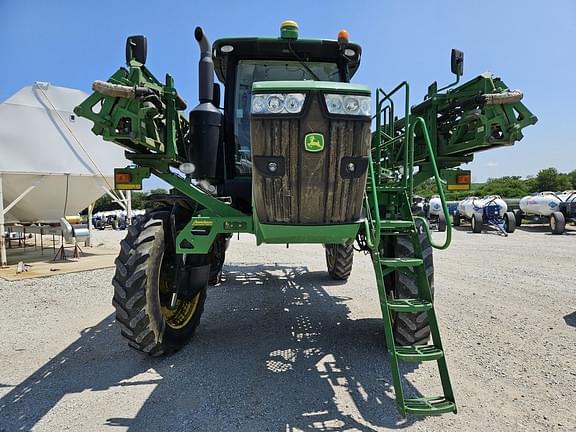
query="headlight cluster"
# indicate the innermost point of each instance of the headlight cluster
(278, 103)
(292, 103)
(348, 104)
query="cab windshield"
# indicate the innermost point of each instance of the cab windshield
(250, 71)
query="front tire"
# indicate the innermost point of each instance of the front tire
(557, 223)
(144, 269)
(408, 328)
(476, 223)
(509, 222)
(339, 259)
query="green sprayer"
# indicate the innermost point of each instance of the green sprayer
(297, 154)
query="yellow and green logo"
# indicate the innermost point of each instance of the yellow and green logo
(314, 142)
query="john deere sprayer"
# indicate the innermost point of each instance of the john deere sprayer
(294, 154)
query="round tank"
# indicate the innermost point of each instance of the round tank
(545, 203)
(474, 205)
(435, 205)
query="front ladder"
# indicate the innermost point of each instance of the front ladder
(387, 203)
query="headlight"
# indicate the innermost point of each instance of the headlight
(278, 103)
(348, 104)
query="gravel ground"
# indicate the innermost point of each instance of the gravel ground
(282, 348)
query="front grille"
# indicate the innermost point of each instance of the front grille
(310, 188)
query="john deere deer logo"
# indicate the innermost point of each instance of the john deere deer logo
(314, 142)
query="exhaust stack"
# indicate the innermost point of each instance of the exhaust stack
(204, 148)
(205, 67)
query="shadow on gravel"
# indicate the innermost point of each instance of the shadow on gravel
(544, 229)
(486, 229)
(570, 319)
(274, 351)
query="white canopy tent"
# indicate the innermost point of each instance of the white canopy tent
(51, 164)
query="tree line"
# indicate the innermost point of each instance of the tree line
(548, 179)
(139, 201)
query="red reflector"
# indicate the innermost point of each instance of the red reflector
(123, 178)
(463, 179)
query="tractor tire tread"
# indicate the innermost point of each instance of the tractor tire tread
(343, 261)
(412, 328)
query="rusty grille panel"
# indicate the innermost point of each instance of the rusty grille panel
(312, 190)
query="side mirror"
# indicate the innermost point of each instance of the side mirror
(216, 95)
(136, 49)
(457, 62)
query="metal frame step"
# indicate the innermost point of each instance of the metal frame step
(409, 305)
(401, 262)
(419, 353)
(397, 224)
(434, 405)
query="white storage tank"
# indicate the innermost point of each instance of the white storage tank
(474, 205)
(52, 165)
(544, 203)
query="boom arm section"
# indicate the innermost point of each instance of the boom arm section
(480, 114)
(133, 109)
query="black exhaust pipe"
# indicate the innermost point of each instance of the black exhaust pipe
(206, 118)
(205, 67)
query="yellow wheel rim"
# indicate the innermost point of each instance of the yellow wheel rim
(180, 315)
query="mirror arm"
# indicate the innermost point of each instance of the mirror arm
(450, 85)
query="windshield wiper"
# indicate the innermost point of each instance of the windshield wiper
(302, 62)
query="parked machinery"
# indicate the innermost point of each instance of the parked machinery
(291, 159)
(491, 210)
(554, 208)
(435, 214)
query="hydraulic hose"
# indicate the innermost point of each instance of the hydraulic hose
(117, 90)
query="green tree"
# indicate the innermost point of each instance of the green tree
(549, 179)
(507, 186)
(105, 203)
(158, 191)
(572, 177)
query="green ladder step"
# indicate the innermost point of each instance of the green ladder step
(419, 353)
(383, 188)
(409, 305)
(401, 262)
(434, 405)
(397, 224)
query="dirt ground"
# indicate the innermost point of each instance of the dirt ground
(282, 348)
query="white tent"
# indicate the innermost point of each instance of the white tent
(51, 164)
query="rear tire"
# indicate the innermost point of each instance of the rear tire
(143, 268)
(557, 223)
(476, 223)
(441, 223)
(509, 222)
(456, 219)
(339, 259)
(518, 215)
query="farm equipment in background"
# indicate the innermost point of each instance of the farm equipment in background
(435, 213)
(553, 208)
(491, 210)
(290, 159)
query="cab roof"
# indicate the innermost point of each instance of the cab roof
(257, 48)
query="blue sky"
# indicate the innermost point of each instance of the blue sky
(530, 44)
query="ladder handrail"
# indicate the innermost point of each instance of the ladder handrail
(420, 121)
(379, 111)
(372, 243)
